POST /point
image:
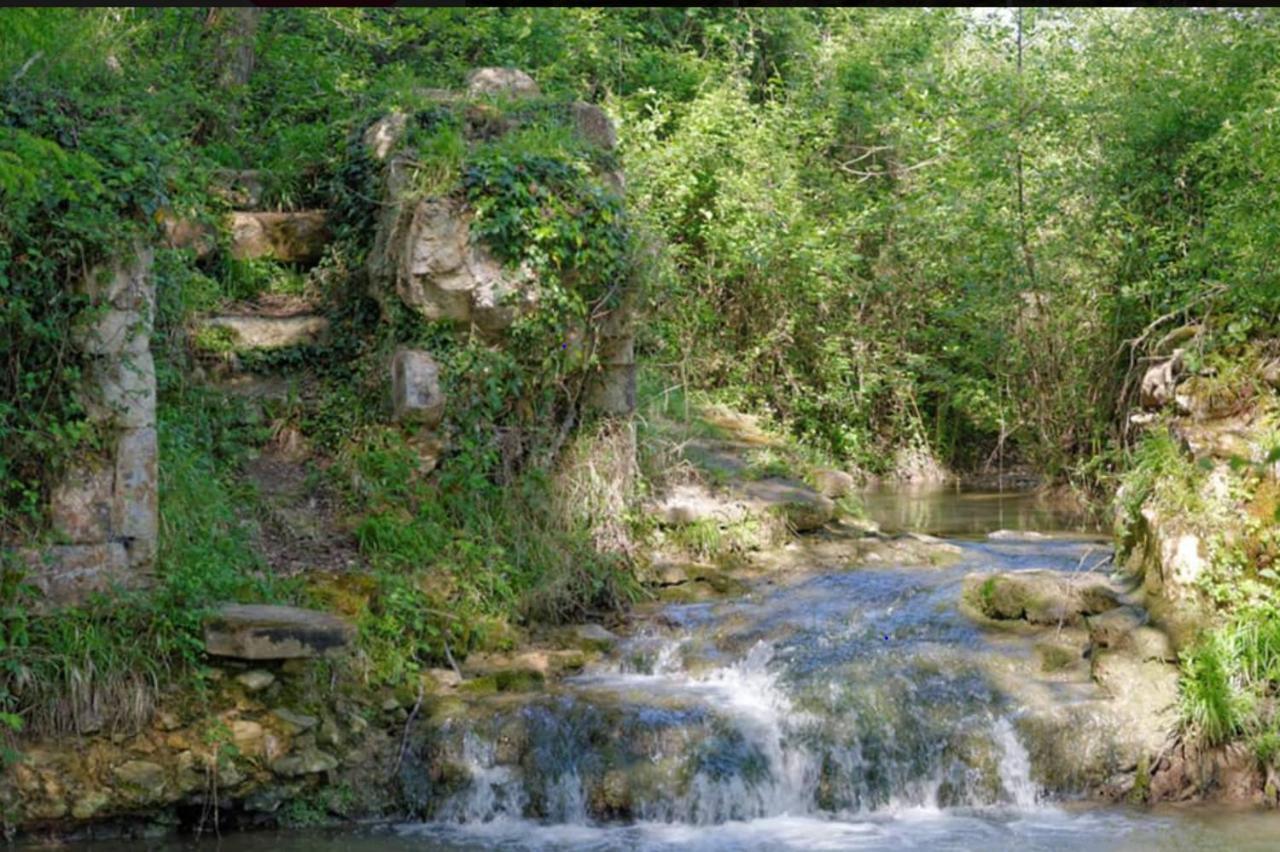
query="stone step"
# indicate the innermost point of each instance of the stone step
(265, 632)
(256, 332)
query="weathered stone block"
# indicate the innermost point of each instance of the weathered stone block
(68, 574)
(510, 82)
(262, 632)
(80, 506)
(293, 237)
(415, 388)
(135, 510)
(122, 389)
(123, 296)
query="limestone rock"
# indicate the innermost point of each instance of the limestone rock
(688, 504)
(833, 483)
(182, 233)
(247, 734)
(1039, 597)
(123, 296)
(1160, 382)
(263, 332)
(594, 125)
(135, 510)
(1271, 373)
(415, 388)
(1111, 628)
(142, 777)
(509, 82)
(88, 805)
(263, 632)
(80, 505)
(122, 389)
(433, 266)
(293, 722)
(309, 761)
(804, 508)
(69, 573)
(382, 137)
(255, 680)
(293, 237)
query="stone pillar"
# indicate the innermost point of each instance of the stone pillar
(106, 509)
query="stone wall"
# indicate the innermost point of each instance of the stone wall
(104, 512)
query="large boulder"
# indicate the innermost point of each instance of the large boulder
(262, 632)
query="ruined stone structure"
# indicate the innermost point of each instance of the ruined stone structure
(105, 512)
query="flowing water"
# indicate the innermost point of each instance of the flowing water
(853, 709)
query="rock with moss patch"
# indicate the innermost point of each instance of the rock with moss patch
(1039, 597)
(308, 761)
(141, 778)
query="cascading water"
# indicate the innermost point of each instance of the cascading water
(844, 696)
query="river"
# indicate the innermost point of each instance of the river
(844, 709)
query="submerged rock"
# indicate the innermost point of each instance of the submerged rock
(262, 632)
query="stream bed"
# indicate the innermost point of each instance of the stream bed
(846, 709)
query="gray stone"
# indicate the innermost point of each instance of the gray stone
(1109, 629)
(1160, 382)
(124, 307)
(293, 722)
(293, 237)
(415, 388)
(247, 333)
(594, 125)
(80, 506)
(122, 389)
(263, 632)
(425, 255)
(69, 573)
(135, 512)
(255, 680)
(382, 137)
(88, 805)
(509, 82)
(833, 483)
(310, 761)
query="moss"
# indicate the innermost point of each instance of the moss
(1056, 658)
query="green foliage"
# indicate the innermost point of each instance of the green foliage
(1230, 678)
